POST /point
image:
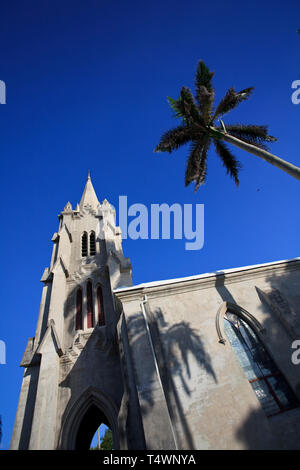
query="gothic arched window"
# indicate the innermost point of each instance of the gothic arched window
(84, 244)
(92, 244)
(101, 316)
(78, 322)
(269, 385)
(89, 305)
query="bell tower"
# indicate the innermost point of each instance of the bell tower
(72, 375)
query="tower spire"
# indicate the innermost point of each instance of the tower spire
(89, 196)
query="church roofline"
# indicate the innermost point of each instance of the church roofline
(251, 269)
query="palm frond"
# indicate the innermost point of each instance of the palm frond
(186, 108)
(253, 134)
(176, 105)
(231, 99)
(203, 76)
(190, 109)
(173, 139)
(231, 164)
(203, 164)
(252, 131)
(196, 165)
(205, 92)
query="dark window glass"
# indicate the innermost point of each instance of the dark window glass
(269, 385)
(101, 316)
(84, 244)
(78, 321)
(92, 244)
(90, 310)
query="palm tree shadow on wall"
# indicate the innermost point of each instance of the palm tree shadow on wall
(280, 431)
(172, 346)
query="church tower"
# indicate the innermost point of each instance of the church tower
(72, 380)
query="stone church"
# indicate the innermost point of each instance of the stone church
(202, 362)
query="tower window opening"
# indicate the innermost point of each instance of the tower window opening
(92, 244)
(84, 244)
(101, 316)
(90, 310)
(78, 322)
(269, 385)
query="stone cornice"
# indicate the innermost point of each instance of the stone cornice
(204, 281)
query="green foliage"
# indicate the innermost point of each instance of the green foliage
(200, 126)
(176, 106)
(107, 442)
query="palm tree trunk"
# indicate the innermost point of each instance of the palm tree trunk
(269, 157)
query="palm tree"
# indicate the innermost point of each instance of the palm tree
(202, 124)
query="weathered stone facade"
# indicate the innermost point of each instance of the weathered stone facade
(160, 372)
(191, 388)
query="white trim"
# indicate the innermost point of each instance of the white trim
(202, 276)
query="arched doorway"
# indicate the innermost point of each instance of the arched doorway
(83, 418)
(91, 421)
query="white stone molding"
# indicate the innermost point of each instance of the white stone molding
(241, 312)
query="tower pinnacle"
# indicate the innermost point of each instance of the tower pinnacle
(89, 196)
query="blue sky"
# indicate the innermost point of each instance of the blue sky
(87, 86)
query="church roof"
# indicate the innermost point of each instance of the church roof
(89, 197)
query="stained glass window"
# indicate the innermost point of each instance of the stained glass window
(269, 385)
